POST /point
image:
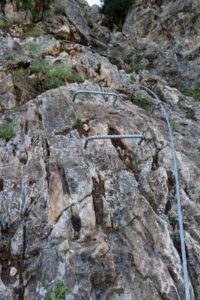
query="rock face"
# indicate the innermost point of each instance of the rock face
(101, 220)
(163, 37)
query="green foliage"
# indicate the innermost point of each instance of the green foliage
(133, 77)
(135, 68)
(78, 122)
(116, 10)
(62, 73)
(35, 31)
(37, 8)
(48, 77)
(5, 24)
(27, 4)
(32, 48)
(12, 56)
(191, 92)
(40, 66)
(19, 75)
(173, 125)
(5, 241)
(58, 75)
(7, 132)
(59, 291)
(190, 114)
(151, 199)
(141, 102)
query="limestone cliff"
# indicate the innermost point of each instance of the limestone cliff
(98, 223)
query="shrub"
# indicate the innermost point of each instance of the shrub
(59, 74)
(32, 48)
(49, 77)
(133, 77)
(78, 122)
(7, 131)
(190, 114)
(141, 102)
(116, 10)
(152, 201)
(59, 291)
(37, 8)
(5, 25)
(40, 66)
(19, 74)
(191, 92)
(35, 31)
(173, 125)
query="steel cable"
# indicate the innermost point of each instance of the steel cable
(176, 174)
(178, 194)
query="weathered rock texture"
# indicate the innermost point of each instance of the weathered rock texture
(163, 37)
(102, 220)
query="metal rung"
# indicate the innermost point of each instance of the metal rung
(82, 45)
(95, 93)
(109, 136)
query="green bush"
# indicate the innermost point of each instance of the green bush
(133, 77)
(19, 75)
(37, 8)
(40, 66)
(151, 199)
(78, 122)
(35, 31)
(141, 102)
(59, 291)
(116, 10)
(190, 91)
(173, 125)
(7, 132)
(32, 48)
(49, 77)
(5, 24)
(190, 114)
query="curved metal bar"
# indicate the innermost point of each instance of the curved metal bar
(82, 45)
(180, 214)
(110, 136)
(95, 93)
(160, 104)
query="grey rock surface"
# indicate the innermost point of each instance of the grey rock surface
(102, 220)
(163, 37)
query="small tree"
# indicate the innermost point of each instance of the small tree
(116, 10)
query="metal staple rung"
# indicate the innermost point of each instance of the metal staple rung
(109, 136)
(75, 43)
(95, 93)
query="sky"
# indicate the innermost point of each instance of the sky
(91, 2)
